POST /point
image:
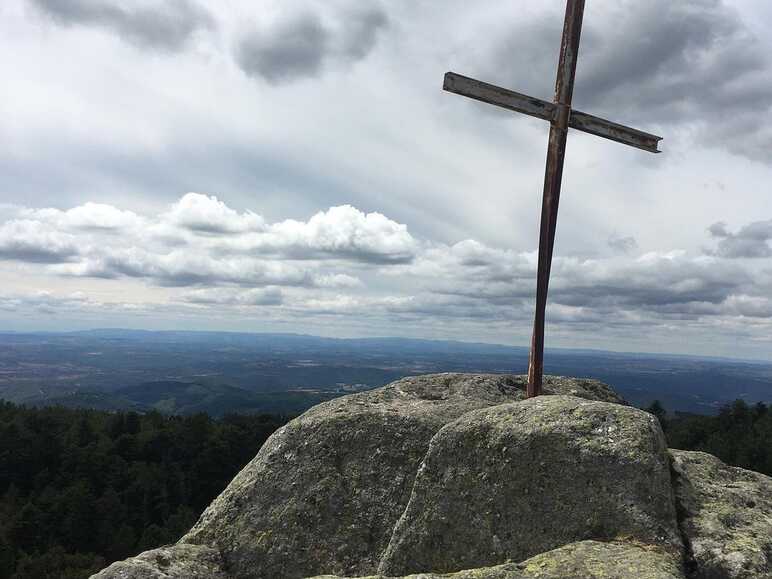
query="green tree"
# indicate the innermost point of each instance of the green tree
(27, 531)
(80, 489)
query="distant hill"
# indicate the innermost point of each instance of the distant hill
(184, 398)
(90, 399)
(271, 372)
(189, 398)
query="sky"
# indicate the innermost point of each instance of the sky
(295, 166)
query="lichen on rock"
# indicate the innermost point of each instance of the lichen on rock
(515, 480)
(583, 560)
(169, 562)
(325, 491)
(457, 473)
(726, 513)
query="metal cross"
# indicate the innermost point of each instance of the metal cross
(561, 116)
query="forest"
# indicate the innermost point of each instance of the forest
(82, 488)
(740, 434)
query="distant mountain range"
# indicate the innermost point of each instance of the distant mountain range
(220, 372)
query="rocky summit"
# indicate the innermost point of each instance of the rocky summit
(459, 476)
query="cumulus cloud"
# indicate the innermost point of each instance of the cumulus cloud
(33, 241)
(94, 216)
(165, 25)
(200, 241)
(343, 232)
(751, 241)
(300, 44)
(344, 264)
(179, 268)
(205, 214)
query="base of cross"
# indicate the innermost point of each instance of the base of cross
(535, 374)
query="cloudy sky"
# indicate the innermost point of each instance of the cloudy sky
(295, 166)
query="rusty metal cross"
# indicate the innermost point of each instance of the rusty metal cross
(561, 116)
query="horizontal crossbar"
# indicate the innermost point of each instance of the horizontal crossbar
(515, 101)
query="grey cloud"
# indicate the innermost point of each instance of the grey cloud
(667, 59)
(622, 244)
(292, 49)
(653, 290)
(301, 45)
(271, 296)
(183, 269)
(654, 286)
(718, 229)
(752, 241)
(44, 302)
(32, 241)
(166, 25)
(415, 308)
(452, 307)
(29, 253)
(656, 63)
(361, 30)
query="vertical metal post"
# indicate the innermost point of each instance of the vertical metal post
(564, 89)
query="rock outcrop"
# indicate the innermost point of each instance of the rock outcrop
(516, 480)
(325, 491)
(726, 515)
(583, 560)
(455, 473)
(174, 561)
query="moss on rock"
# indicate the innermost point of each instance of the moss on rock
(726, 514)
(583, 560)
(518, 479)
(325, 491)
(170, 562)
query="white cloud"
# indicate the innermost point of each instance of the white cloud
(164, 25)
(205, 214)
(33, 241)
(342, 232)
(202, 241)
(350, 264)
(97, 216)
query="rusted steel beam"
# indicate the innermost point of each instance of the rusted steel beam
(501, 97)
(564, 90)
(541, 109)
(614, 131)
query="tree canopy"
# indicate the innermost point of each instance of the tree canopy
(82, 488)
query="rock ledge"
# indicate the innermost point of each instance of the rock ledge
(458, 473)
